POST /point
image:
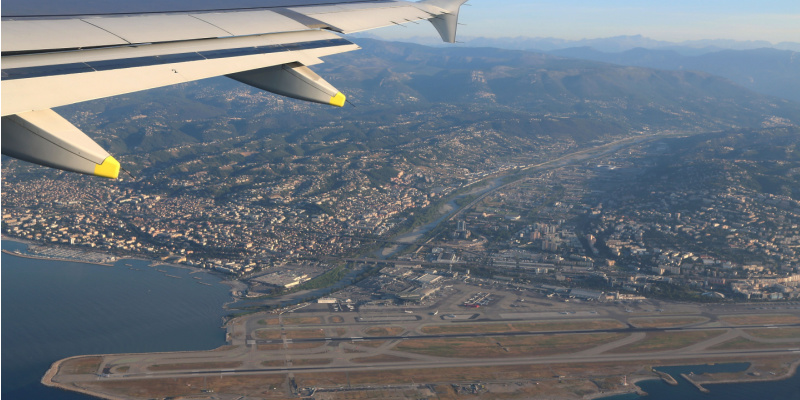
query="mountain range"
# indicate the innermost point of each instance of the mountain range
(543, 84)
(409, 95)
(613, 44)
(765, 70)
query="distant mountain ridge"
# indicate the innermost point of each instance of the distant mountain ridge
(624, 43)
(610, 44)
(769, 71)
(541, 83)
(757, 65)
(409, 94)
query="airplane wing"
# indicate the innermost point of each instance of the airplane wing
(51, 61)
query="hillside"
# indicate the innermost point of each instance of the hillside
(768, 71)
(499, 102)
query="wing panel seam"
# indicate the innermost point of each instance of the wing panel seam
(106, 30)
(93, 66)
(214, 25)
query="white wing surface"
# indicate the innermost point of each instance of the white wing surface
(54, 61)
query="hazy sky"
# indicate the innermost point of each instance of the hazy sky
(671, 20)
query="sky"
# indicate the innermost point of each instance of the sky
(669, 20)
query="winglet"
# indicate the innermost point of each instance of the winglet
(108, 169)
(338, 100)
(46, 138)
(446, 23)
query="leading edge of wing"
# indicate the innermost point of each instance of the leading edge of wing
(60, 79)
(143, 52)
(30, 9)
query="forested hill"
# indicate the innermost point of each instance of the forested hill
(408, 94)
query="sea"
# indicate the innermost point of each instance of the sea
(56, 309)
(656, 389)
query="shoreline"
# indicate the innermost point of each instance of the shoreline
(234, 285)
(789, 374)
(47, 380)
(632, 386)
(793, 368)
(226, 280)
(633, 379)
(35, 257)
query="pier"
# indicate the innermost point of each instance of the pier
(697, 385)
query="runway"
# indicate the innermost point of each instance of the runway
(629, 329)
(607, 339)
(471, 363)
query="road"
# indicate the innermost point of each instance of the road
(567, 159)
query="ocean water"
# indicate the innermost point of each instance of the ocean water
(54, 309)
(787, 389)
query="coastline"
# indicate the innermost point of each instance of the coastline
(38, 376)
(34, 257)
(47, 380)
(233, 284)
(634, 378)
(790, 373)
(634, 382)
(29, 243)
(632, 387)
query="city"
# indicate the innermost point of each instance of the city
(491, 217)
(594, 225)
